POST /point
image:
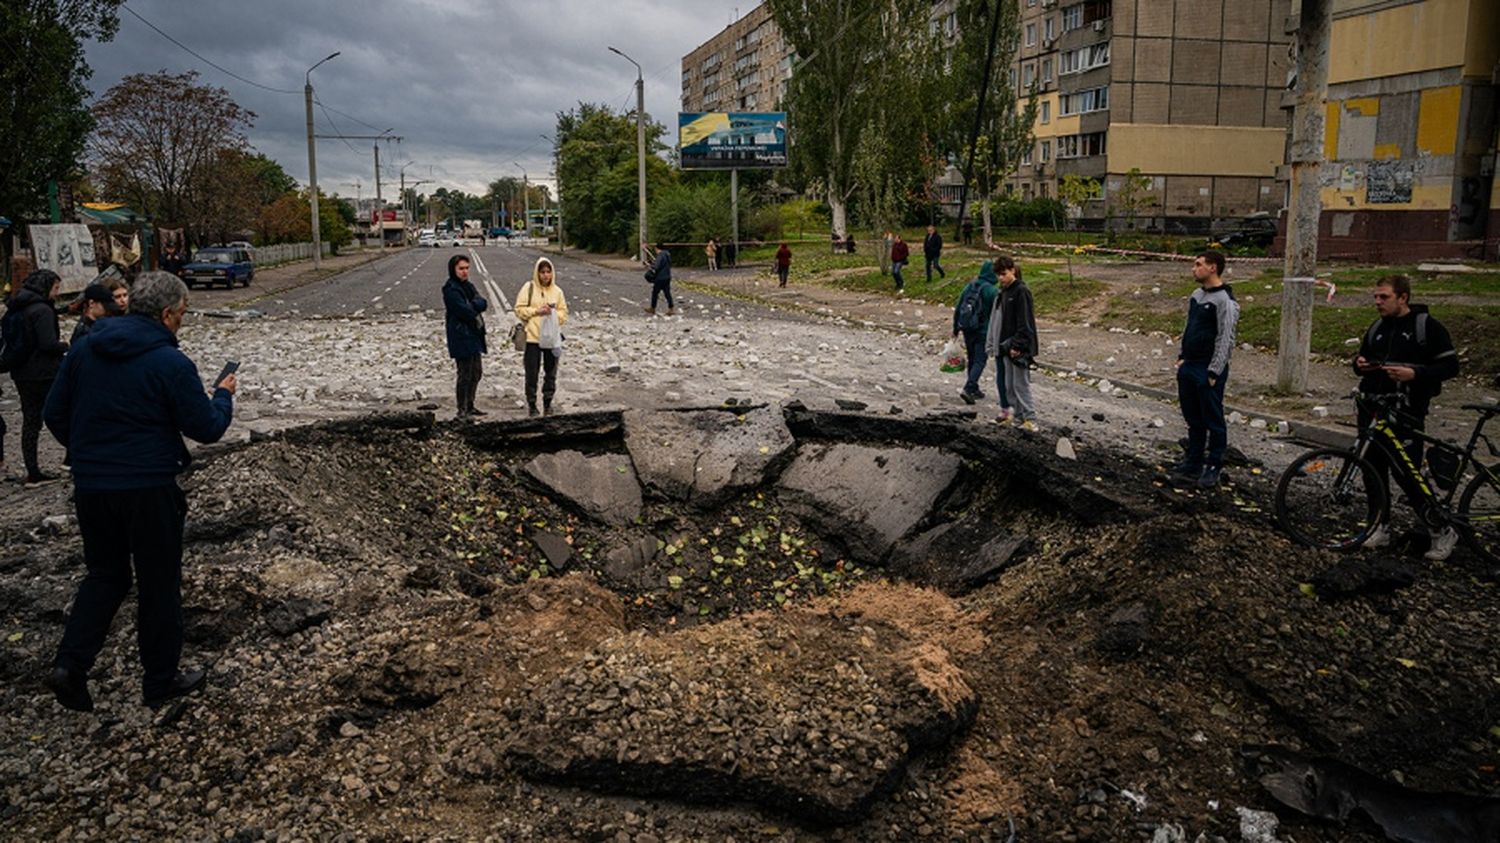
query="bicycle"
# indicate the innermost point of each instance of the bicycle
(1334, 498)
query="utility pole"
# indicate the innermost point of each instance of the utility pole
(640, 147)
(525, 195)
(312, 165)
(1306, 159)
(984, 90)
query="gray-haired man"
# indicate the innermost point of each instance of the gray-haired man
(122, 402)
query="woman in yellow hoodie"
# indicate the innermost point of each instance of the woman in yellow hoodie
(539, 297)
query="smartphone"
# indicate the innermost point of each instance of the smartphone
(229, 368)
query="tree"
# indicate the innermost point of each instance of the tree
(289, 220)
(44, 119)
(1074, 190)
(227, 198)
(271, 181)
(596, 162)
(1130, 197)
(159, 137)
(850, 52)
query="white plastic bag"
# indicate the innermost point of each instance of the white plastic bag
(953, 358)
(551, 335)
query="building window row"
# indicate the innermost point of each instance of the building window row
(1082, 102)
(1080, 15)
(747, 59)
(1084, 58)
(1081, 146)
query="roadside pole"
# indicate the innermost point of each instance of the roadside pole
(1306, 160)
(312, 178)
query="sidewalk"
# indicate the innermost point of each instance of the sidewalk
(1134, 362)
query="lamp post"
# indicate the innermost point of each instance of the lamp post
(525, 196)
(640, 146)
(312, 163)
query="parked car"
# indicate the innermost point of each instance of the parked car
(219, 265)
(427, 240)
(1256, 230)
(499, 232)
(448, 240)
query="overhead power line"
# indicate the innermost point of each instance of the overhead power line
(204, 59)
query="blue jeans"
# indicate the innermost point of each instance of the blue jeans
(1203, 410)
(896, 271)
(974, 346)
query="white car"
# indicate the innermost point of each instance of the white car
(447, 240)
(427, 240)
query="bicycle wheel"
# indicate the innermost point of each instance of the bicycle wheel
(1330, 499)
(1479, 514)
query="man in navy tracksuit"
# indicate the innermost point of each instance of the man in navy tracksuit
(122, 402)
(1202, 369)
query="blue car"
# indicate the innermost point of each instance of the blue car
(499, 232)
(219, 265)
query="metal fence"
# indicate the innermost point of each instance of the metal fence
(286, 253)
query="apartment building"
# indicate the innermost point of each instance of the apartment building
(743, 68)
(1184, 91)
(1410, 141)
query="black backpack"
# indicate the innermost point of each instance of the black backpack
(971, 307)
(16, 340)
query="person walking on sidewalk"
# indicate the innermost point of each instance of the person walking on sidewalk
(1013, 341)
(540, 297)
(899, 255)
(1203, 369)
(463, 319)
(1405, 350)
(712, 251)
(783, 263)
(123, 400)
(932, 253)
(660, 276)
(971, 317)
(31, 317)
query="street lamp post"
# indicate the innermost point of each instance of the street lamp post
(640, 146)
(312, 164)
(525, 196)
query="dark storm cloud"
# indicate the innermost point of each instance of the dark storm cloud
(469, 85)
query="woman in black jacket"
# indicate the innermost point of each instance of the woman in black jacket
(33, 376)
(462, 319)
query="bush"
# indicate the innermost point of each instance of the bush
(763, 223)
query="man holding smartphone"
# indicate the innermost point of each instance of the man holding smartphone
(1405, 350)
(121, 403)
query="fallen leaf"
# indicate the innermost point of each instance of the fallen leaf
(1406, 662)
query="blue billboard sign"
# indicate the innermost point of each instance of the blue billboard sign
(727, 140)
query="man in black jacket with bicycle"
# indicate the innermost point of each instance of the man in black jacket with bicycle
(1407, 351)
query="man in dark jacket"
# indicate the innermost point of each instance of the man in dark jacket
(1202, 370)
(1013, 340)
(462, 319)
(932, 252)
(660, 276)
(1405, 351)
(33, 375)
(971, 317)
(123, 400)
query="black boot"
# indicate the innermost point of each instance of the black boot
(71, 689)
(531, 409)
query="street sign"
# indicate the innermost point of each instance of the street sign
(719, 140)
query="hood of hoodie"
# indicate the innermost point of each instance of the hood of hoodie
(536, 271)
(129, 336)
(987, 273)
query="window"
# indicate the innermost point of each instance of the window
(1030, 75)
(1084, 58)
(1026, 158)
(1030, 3)
(1081, 146)
(1046, 111)
(1046, 70)
(1050, 28)
(1042, 190)
(1082, 102)
(1031, 35)
(1072, 18)
(1046, 151)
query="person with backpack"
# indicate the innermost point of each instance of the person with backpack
(1013, 340)
(1405, 350)
(1203, 369)
(33, 352)
(971, 317)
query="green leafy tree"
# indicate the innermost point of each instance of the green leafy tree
(1075, 190)
(44, 118)
(596, 164)
(1131, 195)
(852, 52)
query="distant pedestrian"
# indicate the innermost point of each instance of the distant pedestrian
(783, 263)
(123, 400)
(660, 276)
(932, 253)
(712, 251)
(899, 255)
(1013, 340)
(971, 317)
(97, 303)
(539, 297)
(463, 321)
(172, 259)
(35, 320)
(968, 232)
(1203, 369)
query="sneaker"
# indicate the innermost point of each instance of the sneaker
(967, 396)
(1029, 425)
(1379, 537)
(40, 479)
(1209, 478)
(70, 688)
(475, 411)
(531, 411)
(1003, 418)
(1442, 545)
(1186, 471)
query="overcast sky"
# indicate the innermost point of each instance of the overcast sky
(468, 84)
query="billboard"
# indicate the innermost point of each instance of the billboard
(68, 250)
(720, 140)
